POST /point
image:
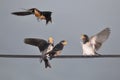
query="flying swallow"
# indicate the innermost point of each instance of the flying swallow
(56, 51)
(43, 15)
(44, 47)
(92, 44)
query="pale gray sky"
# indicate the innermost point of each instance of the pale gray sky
(71, 18)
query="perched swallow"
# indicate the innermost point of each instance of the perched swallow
(56, 51)
(44, 47)
(92, 44)
(43, 15)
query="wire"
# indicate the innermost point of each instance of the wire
(61, 56)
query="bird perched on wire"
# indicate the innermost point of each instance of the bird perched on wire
(44, 47)
(43, 15)
(92, 44)
(56, 51)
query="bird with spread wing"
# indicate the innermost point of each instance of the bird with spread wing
(92, 44)
(44, 47)
(43, 15)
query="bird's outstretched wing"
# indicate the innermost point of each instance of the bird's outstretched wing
(99, 38)
(22, 13)
(41, 43)
(48, 20)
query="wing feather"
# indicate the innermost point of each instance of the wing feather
(98, 39)
(41, 43)
(24, 13)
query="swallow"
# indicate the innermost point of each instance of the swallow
(56, 51)
(44, 47)
(43, 15)
(93, 44)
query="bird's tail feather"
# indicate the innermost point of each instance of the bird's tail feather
(48, 20)
(47, 64)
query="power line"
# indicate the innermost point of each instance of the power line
(61, 56)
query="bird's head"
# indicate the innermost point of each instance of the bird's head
(84, 38)
(64, 42)
(50, 40)
(32, 10)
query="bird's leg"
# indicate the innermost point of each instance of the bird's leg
(97, 54)
(51, 56)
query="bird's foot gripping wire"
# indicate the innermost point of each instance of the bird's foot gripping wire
(96, 54)
(51, 56)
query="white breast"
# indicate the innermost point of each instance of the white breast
(88, 49)
(50, 47)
